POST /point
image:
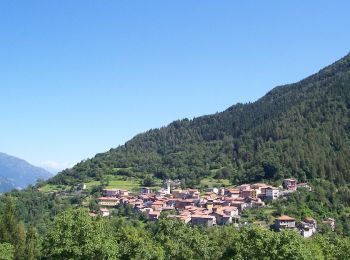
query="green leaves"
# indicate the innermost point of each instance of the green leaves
(181, 241)
(75, 235)
(11, 230)
(138, 244)
(7, 251)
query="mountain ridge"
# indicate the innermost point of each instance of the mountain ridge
(266, 139)
(18, 173)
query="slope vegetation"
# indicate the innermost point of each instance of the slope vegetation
(299, 130)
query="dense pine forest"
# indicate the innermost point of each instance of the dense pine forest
(299, 130)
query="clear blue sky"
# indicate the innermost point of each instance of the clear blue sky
(80, 77)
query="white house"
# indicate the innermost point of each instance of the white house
(104, 212)
(308, 227)
(284, 222)
(272, 193)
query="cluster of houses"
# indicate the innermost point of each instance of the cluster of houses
(307, 227)
(214, 206)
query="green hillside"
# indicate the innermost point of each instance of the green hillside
(299, 130)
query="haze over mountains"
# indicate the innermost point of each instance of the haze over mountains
(300, 130)
(17, 173)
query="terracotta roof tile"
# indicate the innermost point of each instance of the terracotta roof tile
(285, 218)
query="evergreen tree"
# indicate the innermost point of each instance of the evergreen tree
(11, 231)
(32, 245)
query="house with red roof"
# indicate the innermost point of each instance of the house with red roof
(154, 215)
(284, 222)
(290, 184)
(203, 220)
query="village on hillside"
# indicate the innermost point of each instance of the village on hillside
(215, 206)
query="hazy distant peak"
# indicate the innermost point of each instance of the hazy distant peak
(17, 173)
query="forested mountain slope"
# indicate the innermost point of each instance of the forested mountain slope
(299, 130)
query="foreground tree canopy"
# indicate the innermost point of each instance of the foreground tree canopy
(75, 235)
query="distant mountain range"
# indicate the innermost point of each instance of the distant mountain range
(17, 173)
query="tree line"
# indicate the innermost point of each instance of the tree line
(74, 234)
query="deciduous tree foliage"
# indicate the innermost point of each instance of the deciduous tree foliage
(171, 239)
(7, 251)
(75, 235)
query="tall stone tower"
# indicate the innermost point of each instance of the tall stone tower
(168, 190)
